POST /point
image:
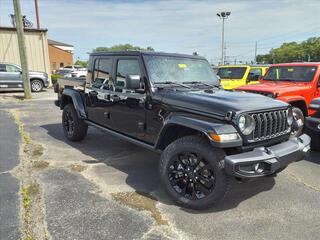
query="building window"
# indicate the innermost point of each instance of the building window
(61, 64)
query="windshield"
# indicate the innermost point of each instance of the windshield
(291, 73)
(179, 70)
(231, 72)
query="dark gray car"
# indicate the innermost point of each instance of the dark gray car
(10, 77)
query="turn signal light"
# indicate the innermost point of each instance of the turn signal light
(224, 137)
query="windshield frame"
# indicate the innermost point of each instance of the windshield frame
(290, 79)
(215, 79)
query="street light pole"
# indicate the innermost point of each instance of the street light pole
(223, 16)
(22, 49)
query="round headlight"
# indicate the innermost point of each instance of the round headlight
(289, 116)
(246, 124)
(242, 123)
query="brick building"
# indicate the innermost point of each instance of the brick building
(60, 54)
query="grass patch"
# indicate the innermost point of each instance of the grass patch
(24, 135)
(26, 200)
(33, 150)
(26, 194)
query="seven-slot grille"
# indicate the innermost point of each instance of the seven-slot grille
(270, 124)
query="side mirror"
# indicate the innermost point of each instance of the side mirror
(315, 104)
(133, 82)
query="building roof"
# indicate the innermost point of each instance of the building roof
(26, 29)
(52, 42)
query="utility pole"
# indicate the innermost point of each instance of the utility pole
(255, 52)
(22, 49)
(37, 13)
(225, 57)
(223, 16)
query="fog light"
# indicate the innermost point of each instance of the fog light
(319, 126)
(306, 149)
(258, 168)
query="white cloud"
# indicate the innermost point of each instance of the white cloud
(175, 25)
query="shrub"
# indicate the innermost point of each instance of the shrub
(55, 77)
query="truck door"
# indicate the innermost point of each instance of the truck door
(97, 101)
(128, 113)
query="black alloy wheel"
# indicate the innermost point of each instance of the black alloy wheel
(68, 123)
(191, 176)
(75, 129)
(192, 172)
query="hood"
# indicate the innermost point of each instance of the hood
(219, 102)
(277, 87)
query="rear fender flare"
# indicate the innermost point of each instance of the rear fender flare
(76, 100)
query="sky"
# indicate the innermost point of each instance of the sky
(179, 26)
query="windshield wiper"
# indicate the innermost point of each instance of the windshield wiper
(173, 83)
(198, 82)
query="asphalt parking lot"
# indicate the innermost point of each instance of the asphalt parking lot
(106, 188)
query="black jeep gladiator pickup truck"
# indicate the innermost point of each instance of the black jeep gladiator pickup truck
(172, 103)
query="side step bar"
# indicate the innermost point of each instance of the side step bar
(129, 139)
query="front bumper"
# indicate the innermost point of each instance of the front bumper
(264, 161)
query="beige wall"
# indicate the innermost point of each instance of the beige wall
(37, 49)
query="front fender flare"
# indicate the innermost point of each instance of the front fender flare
(289, 99)
(76, 100)
(200, 126)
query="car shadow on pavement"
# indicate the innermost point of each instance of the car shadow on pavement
(314, 157)
(142, 167)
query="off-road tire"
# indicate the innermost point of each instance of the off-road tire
(213, 156)
(36, 85)
(79, 127)
(298, 112)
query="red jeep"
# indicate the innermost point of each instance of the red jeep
(294, 83)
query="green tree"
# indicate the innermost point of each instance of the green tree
(83, 64)
(122, 47)
(293, 52)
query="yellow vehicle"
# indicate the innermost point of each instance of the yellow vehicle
(234, 76)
